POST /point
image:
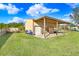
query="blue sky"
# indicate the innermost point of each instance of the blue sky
(19, 12)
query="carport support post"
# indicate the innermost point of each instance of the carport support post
(64, 27)
(44, 28)
(57, 27)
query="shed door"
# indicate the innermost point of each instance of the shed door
(38, 30)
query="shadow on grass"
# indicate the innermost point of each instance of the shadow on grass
(4, 38)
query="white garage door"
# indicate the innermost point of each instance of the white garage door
(38, 30)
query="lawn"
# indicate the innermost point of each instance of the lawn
(21, 44)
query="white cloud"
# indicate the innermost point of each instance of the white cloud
(11, 9)
(38, 9)
(72, 5)
(2, 6)
(55, 10)
(16, 20)
(67, 15)
(67, 19)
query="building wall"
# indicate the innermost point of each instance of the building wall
(13, 30)
(49, 26)
(29, 25)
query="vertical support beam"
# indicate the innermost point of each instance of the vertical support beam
(57, 28)
(49, 30)
(44, 27)
(33, 27)
(64, 27)
(57, 25)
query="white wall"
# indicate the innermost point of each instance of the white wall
(13, 29)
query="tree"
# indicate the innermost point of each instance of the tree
(75, 15)
(2, 25)
(12, 25)
(16, 25)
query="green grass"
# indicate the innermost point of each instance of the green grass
(4, 38)
(21, 44)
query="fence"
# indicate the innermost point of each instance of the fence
(2, 31)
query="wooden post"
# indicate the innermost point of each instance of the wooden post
(44, 28)
(33, 27)
(64, 27)
(49, 30)
(57, 25)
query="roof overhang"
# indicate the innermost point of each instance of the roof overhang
(52, 20)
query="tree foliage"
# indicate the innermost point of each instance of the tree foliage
(2, 25)
(75, 16)
(12, 25)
